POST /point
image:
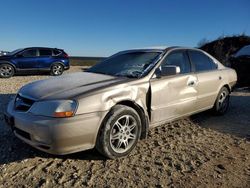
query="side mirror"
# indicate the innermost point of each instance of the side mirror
(169, 70)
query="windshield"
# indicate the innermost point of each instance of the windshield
(243, 51)
(130, 64)
(15, 51)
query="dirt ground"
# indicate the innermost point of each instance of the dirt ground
(199, 151)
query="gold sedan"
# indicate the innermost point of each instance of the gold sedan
(114, 103)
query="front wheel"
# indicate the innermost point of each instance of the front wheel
(56, 69)
(222, 102)
(6, 71)
(119, 133)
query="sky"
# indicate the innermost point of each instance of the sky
(102, 28)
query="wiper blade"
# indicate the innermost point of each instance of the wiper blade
(131, 76)
(127, 75)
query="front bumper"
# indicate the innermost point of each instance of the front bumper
(55, 135)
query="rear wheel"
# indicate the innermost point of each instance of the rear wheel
(6, 71)
(120, 132)
(56, 69)
(222, 102)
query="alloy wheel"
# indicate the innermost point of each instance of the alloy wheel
(123, 134)
(57, 69)
(223, 101)
(6, 71)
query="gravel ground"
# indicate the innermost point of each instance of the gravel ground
(199, 151)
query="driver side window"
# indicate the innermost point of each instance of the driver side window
(179, 59)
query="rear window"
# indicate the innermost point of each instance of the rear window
(56, 52)
(201, 61)
(45, 52)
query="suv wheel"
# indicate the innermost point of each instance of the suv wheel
(222, 102)
(6, 71)
(120, 132)
(56, 69)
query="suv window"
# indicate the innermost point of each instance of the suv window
(45, 52)
(179, 59)
(56, 52)
(201, 61)
(28, 53)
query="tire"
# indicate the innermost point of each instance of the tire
(56, 69)
(6, 70)
(222, 102)
(120, 132)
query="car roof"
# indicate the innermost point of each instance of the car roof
(42, 48)
(160, 49)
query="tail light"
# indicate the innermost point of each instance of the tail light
(65, 55)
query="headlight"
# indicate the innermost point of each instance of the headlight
(55, 108)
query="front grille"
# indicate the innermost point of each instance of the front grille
(23, 103)
(22, 133)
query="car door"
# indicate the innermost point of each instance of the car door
(209, 78)
(174, 95)
(45, 58)
(26, 59)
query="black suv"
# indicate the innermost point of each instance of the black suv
(240, 61)
(34, 59)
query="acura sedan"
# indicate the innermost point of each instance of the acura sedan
(114, 103)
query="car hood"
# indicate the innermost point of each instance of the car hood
(67, 86)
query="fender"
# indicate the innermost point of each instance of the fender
(8, 62)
